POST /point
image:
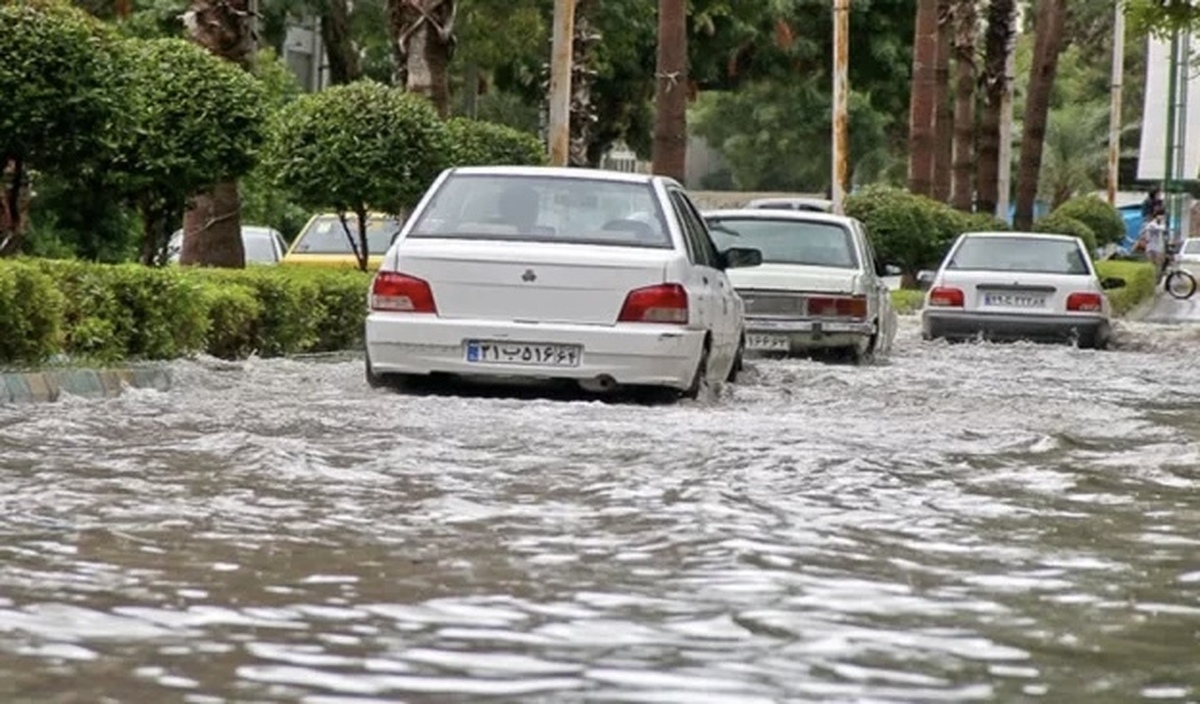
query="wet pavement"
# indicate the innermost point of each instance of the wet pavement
(961, 523)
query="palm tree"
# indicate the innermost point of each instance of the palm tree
(962, 193)
(1051, 16)
(998, 42)
(422, 34)
(923, 104)
(1074, 155)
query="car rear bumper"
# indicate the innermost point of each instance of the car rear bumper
(804, 333)
(1009, 326)
(629, 354)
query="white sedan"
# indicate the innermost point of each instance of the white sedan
(603, 278)
(820, 285)
(1018, 286)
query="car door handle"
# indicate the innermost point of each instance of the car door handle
(705, 280)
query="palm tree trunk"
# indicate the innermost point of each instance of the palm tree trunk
(962, 191)
(213, 223)
(922, 104)
(583, 112)
(422, 44)
(14, 204)
(671, 95)
(944, 121)
(1051, 15)
(344, 66)
(997, 40)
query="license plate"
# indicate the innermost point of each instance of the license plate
(539, 354)
(1014, 300)
(767, 342)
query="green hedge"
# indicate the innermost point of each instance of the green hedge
(1098, 215)
(1058, 223)
(1140, 279)
(106, 313)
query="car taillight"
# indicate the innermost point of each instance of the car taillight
(946, 297)
(666, 303)
(1085, 302)
(833, 307)
(393, 291)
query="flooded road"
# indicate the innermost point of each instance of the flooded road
(964, 523)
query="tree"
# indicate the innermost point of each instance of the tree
(923, 107)
(58, 79)
(213, 224)
(1161, 17)
(193, 120)
(342, 54)
(1050, 17)
(356, 148)
(943, 122)
(422, 34)
(998, 42)
(671, 92)
(962, 188)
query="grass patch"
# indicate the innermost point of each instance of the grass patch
(1139, 283)
(907, 301)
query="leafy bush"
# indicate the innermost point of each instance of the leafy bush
(107, 313)
(1140, 278)
(1103, 219)
(1058, 224)
(907, 230)
(479, 143)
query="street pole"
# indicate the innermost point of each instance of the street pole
(841, 89)
(1114, 118)
(560, 82)
(1172, 94)
(1004, 175)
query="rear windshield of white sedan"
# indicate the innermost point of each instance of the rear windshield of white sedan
(1026, 254)
(545, 209)
(788, 241)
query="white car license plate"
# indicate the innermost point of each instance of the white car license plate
(767, 342)
(1015, 300)
(539, 354)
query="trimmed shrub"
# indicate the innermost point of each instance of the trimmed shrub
(1058, 224)
(1103, 219)
(105, 313)
(1140, 278)
(480, 143)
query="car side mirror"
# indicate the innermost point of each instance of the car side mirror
(925, 278)
(1110, 282)
(740, 257)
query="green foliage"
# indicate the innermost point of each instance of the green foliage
(108, 313)
(907, 301)
(1161, 17)
(1098, 215)
(478, 143)
(1140, 280)
(1057, 223)
(57, 77)
(30, 314)
(907, 230)
(362, 146)
(78, 216)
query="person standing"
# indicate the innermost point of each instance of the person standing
(1154, 238)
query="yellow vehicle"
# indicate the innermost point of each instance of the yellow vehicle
(324, 242)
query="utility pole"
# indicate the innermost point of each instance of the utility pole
(1172, 97)
(841, 89)
(560, 82)
(1004, 176)
(671, 95)
(1114, 118)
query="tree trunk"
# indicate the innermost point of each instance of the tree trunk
(344, 66)
(583, 112)
(997, 40)
(923, 105)
(1049, 23)
(962, 190)
(422, 43)
(212, 226)
(943, 123)
(671, 93)
(14, 206)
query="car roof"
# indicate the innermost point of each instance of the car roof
(1029, 235)
(559, 172)
(766, 214)
(791, 200)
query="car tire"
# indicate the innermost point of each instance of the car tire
(700, 378)
(739, 362)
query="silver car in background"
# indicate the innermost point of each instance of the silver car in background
(263, 245)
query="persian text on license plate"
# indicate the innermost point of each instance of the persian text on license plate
(767, 342)
(527, 353)
(1015, 300)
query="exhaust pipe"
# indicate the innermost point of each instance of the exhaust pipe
(601, 384)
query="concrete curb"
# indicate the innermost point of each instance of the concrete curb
(47, 386)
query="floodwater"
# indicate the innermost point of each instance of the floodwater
(962, 523)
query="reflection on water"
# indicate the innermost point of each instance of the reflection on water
(966, 522)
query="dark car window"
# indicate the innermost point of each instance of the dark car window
(325, 235)
(569, 210)
(788, 241)
(1025, 254)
